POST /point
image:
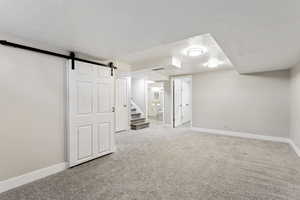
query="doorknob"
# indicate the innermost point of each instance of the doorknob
(125, 106)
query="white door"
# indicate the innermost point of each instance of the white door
(122, 105)
(186, 101)
(91, 117)
(177, 102)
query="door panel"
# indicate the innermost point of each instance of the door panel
(103, 97)
(91, 119)
(85, 141)
(103, 136)
(84, 97)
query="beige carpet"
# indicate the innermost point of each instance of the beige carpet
(163, 163)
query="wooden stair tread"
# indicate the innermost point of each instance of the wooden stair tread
(136, 113)
(138, 119)
(140, 123)
(139, 126)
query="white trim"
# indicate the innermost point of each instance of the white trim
(127, 104)
(129, 101)
(250, 136)
(172, 96)
(242, 134)
(31, 176)
(146, 99)
(168, 125)
(295, 147)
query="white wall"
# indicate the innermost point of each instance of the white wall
(32, 104)
(138, 93)
(295, 105)
(257, 103)
(32, 108)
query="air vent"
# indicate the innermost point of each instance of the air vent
(158, 69)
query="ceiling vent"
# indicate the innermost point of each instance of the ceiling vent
(158, 69)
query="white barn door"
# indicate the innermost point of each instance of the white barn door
(91, 117)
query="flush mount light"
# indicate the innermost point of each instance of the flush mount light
(213, 63)
(155, 89)
(194, 51)
(176, 62)
(150, 82)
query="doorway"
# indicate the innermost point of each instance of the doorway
(155, 102)
(122, 105)
(182, 101)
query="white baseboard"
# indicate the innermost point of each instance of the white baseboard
(31, 176)
(168, 125)
(295, 147)
(250, 136)
(242, 134)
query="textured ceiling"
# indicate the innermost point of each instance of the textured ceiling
(256, 35)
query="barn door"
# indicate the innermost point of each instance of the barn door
(91, 117)
(121, 105)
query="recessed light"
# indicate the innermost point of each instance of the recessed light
(194, 51)
(213, 63)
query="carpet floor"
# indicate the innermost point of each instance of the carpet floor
(170, 164)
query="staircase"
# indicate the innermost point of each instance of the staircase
(137, 121)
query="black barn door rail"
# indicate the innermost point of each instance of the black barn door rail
(71, 56)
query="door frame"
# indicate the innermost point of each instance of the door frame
(128, 85)
(163, 100)
(173, 98)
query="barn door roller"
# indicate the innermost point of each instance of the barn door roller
(71, 56)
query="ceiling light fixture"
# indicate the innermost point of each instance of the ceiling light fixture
(213, 63)
(155, 89)
(150, 82)
(176, 62)
(194, 51)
